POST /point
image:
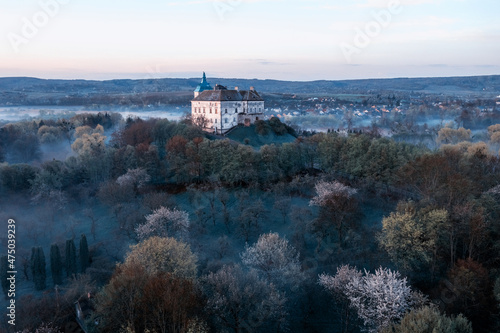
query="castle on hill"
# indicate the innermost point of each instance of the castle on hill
(219, 109)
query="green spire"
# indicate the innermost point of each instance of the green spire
(204, 85)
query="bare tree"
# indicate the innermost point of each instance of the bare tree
(337, 202)
(241, 301)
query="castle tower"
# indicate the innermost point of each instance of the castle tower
(204, 85)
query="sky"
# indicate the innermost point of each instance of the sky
(299, 40)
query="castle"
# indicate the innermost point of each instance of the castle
(219, 109)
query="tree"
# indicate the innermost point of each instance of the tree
(411, 238)
(337, 286)
(379, 299)
(337, 203)
(134, 179)
(276, 260)
(84, 254)
(139, 302)
(25, 149)
(38, 268)
(470, 285)
(241, 301)
(158, 254)
(4, 268)
(428, 320)
(56, 264)
(70, 258)
(176, 156)
(448, 135)
(250, 217)
(43, 328)
(164, 222)
(283, 205)
(88, 141)
(494, 133)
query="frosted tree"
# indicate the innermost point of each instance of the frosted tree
(275, 259)
(134, 179)
(327, 191)
(164, 222)
(337, 286)
(379, 299)
(337, 203)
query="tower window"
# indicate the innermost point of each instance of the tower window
(226, 110)
(236, 110)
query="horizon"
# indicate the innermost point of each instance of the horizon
(240, 78)
(302, 40)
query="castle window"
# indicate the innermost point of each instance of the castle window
(210, 110)
(234, 119)
(226, 110)
(225, 120)
(236, 110)
(215, 110)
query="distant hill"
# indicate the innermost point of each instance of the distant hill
(33, 91)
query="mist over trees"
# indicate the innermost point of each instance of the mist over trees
(156, 225)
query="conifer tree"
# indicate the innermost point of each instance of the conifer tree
(38, 268)
(70, 259)
(84, 253)
(3, 274)
(56, 264)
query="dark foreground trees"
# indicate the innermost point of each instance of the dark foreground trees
(136, 301)
(242, 302)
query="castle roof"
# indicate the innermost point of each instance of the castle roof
(204, 85)
(223, 95)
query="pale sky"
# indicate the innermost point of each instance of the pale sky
(273, 39)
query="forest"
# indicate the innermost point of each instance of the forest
(156, 226)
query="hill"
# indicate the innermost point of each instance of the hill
(32, 91)
(248, 135)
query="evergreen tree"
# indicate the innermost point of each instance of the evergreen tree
(38, 268)
(84, 253)
(70, 251)
(4, 267)
(56, 264)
